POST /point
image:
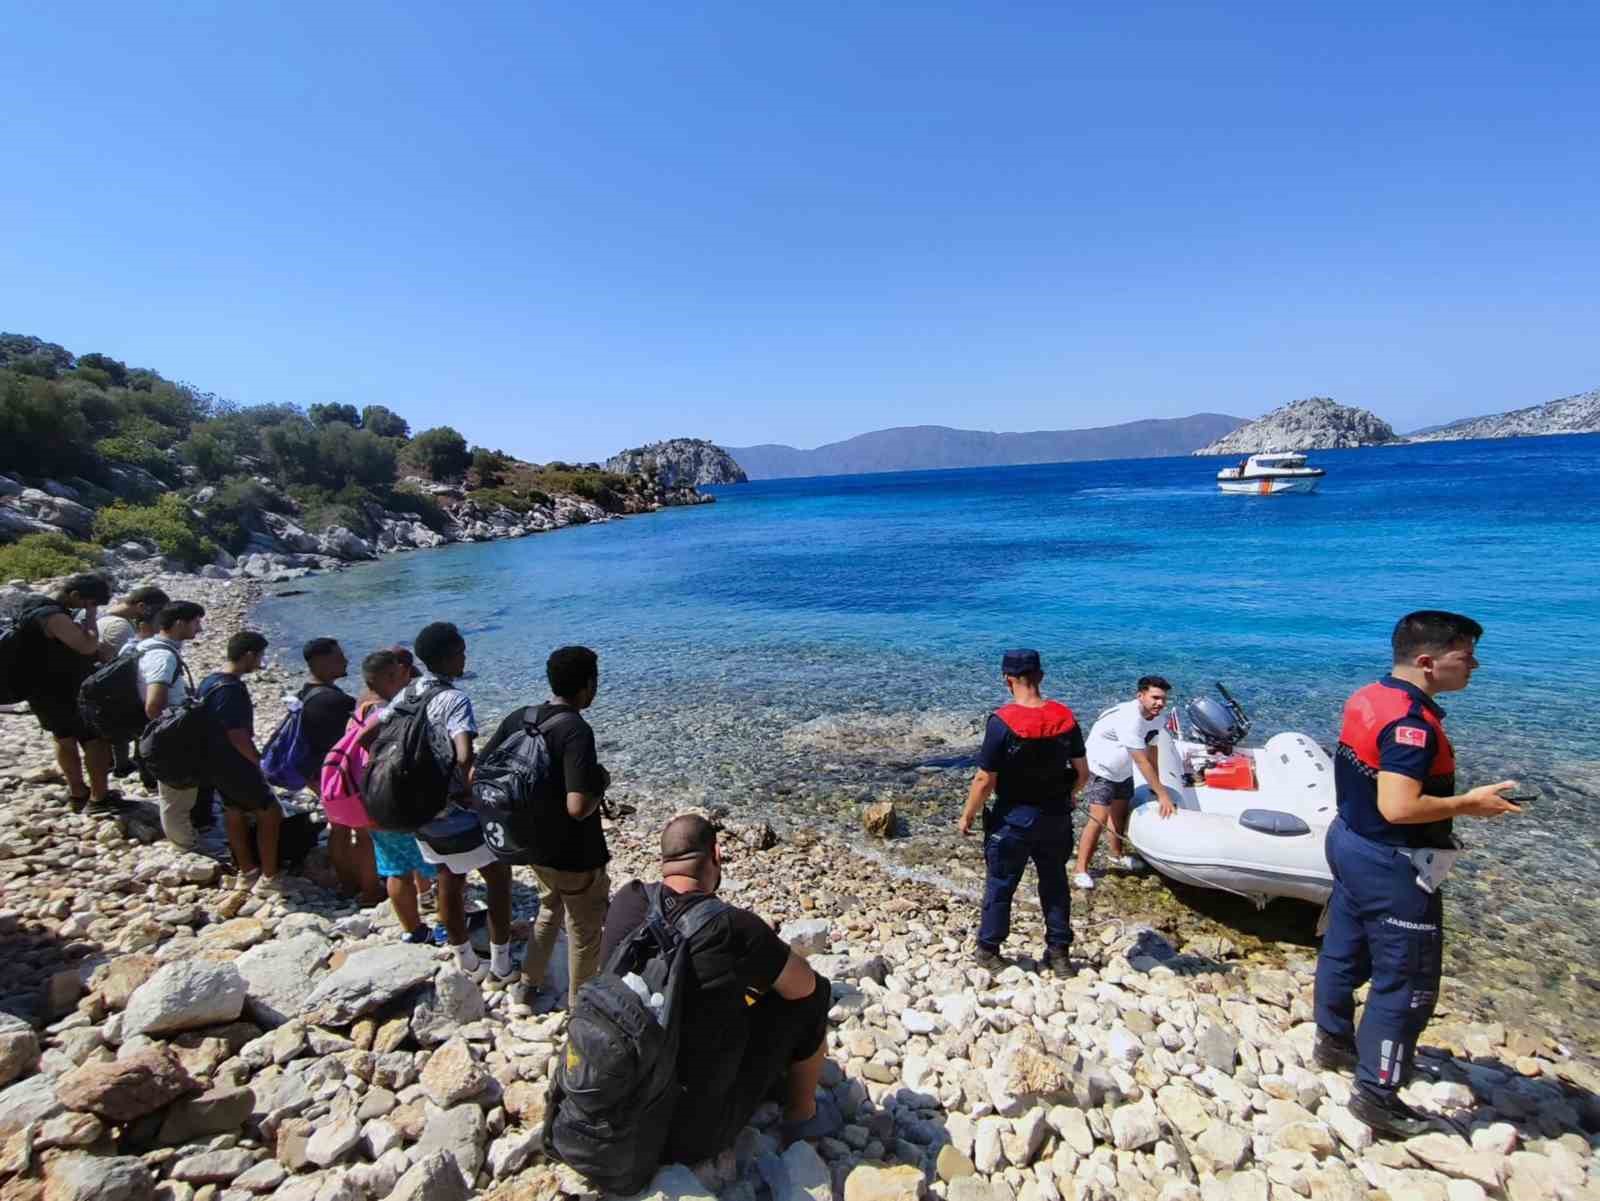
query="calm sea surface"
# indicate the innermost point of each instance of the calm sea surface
(803, 645)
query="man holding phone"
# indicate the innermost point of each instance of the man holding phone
(1390, 849)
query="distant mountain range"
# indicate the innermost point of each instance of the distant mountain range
(928, 447)
(1570, 415)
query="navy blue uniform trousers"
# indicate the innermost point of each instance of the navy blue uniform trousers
(1384, 928)
(1012, 838)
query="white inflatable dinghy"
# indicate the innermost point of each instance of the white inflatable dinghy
(1251, 820)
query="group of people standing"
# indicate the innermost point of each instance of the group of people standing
(1389, 848)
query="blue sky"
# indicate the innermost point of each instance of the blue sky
(569, 228)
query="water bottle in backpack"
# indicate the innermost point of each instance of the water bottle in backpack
(614, 1092)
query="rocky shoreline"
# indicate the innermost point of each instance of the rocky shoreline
(164, 1036)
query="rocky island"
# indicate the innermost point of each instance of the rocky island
(1316, 423)
(1578, 414)
(678, 463)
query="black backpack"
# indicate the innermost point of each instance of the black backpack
(613, 1095)
(111, 701)
(22, 646)
(406, 786)
(176, 747)
(512, 787)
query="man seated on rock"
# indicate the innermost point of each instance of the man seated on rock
(235, 768)
(68, 651)
(756, 1014)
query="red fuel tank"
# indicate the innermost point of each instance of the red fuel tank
(1236, 772)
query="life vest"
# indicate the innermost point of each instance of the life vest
(1367, 714)
(1372, 709)
(1037, 769)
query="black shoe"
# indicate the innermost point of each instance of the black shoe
(1388, 1115)
(1058, 962)
(106, 806)
(1334, 1054)
(988, 959)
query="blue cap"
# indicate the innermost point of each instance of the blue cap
(1020, 663)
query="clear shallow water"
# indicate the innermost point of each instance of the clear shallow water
(806, 644)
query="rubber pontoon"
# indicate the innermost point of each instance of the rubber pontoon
(1251, 820)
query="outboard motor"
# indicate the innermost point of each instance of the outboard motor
(1220, 725)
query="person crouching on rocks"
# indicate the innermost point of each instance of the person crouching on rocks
(1032, 761)
(757, 1015)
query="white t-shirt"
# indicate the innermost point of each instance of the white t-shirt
(1119, 730)
(160, 663)
(449, 713)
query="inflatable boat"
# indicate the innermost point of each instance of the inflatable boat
(1251, 820)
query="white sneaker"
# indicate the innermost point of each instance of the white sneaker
(271, 886)
(1083, 880)
(245, 881)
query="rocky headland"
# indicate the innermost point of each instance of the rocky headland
(165, 1036)
(679, 463)
(1569, 415)
(1316, 423)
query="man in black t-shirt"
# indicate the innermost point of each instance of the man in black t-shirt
(235, 767)
(325, 707)
(571, 855)
(756, 1013)
(325, 715)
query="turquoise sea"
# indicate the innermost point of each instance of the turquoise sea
(803, 645)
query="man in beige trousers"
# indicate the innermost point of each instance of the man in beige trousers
(570, 859)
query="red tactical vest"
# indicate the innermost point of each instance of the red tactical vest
(1371, 709)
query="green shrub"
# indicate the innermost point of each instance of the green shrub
(168, 523)
(421, 506)
(236, 509)
(40, 556)
(515, 500)
(136, 452)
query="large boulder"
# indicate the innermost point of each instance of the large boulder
(434, 1177)
(279, 975)
(185, 995)
(345, 544)
(30, 1100)
(82, 1177)
(125, 1089)
(56, 511)
(19, 1048)
(366, 980)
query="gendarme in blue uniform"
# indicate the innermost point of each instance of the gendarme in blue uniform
(1382, 925)
(1031, 750)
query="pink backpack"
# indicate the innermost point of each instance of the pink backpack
(342, 773)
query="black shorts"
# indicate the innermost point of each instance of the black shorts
(781, 1033)
(58, 716)
(239, 783)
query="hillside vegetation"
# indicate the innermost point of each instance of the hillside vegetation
(96, 453)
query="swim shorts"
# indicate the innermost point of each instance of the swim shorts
(399, 855)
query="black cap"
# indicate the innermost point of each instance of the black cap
(1020, 663)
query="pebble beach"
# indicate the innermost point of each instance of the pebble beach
(164, 1036)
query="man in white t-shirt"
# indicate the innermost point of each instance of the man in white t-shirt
(1122, 738)
(165, 680)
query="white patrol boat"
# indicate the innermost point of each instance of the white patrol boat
(1268, 474)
